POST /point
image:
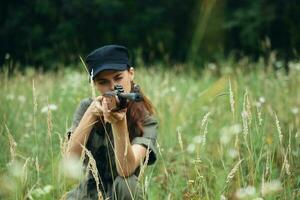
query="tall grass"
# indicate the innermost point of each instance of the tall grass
(225, 133)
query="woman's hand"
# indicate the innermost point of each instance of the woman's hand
(108, 104)
(96, 109)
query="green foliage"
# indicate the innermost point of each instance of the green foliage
(232, 134)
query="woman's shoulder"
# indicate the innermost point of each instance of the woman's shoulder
(85, 103)
(150, 119)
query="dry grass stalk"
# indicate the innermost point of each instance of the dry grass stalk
(278, 129)
(90, 77)
(24, 171)
(61, 143)
(248, 108)
(245, 116)
(204, 120)
(93, 168)
(144, 165)
(180, 139)
(49, 123)
(204, 124)
(231, 98)
(259, 115)
(159, 151)
(34, 97)
(12, 145)
(233, 171)
(37, 167)
(286, 165)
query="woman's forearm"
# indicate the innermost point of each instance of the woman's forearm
(124, 155)
(80, 135)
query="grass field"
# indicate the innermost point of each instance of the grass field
(223, 134)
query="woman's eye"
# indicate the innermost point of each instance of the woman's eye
(119, 78)
(102, 82)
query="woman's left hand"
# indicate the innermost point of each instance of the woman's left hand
(109, 103)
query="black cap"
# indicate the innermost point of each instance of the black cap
(109, 57)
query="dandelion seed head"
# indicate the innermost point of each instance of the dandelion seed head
(10, 97)
(191, 148)
(246, 192)
(271, 187)
(15, 168)
(199, 139)
(295, 110)
(173, 89)
(236, 128)
(72, 168)
(212, 66)
(51, 107)
(21, 98)
(233, 153)
(262, 100)
(222, 197)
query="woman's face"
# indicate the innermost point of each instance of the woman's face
(106, 80)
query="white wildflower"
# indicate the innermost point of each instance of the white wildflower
(294, 65)
(7, 56)
(233, 153)
(72, 168)
(236, 128)
(191, 148)
(10, 97)
(295, 110)
(258, 104)
(225, 138)
(199, 139)
(47, 188)
(39, 192)
(48, 107)
(297, 134)
(21, 98)
(246, 192)
(212, 66)
(227, 133)
(262, 100)
(222, 197)
(173, 89)
(271, 187)
(15, 168)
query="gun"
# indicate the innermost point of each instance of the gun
(123, 98)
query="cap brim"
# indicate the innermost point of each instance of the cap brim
(114, 66)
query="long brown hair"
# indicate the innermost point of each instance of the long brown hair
(136, 114)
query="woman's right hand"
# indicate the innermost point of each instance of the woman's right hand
(96, 108)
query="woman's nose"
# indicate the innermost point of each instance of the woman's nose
(112, 85)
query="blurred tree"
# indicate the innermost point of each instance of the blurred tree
(44, 32)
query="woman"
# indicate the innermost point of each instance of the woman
(118, 140)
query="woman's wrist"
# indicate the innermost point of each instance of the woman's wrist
(90, 116)
(120, 125)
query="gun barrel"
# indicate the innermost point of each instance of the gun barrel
(110, 94)
(131, 96)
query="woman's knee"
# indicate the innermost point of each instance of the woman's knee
(127, 188)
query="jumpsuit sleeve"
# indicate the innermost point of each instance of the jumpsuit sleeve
(148, 139)
(78, 114)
